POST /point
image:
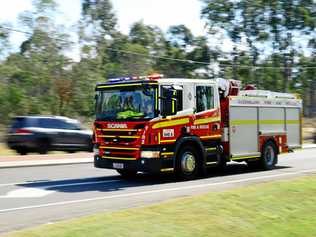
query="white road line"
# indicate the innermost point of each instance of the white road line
(155, 191)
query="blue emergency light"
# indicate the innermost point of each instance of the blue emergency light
(150, 77)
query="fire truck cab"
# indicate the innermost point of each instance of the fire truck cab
(156, 125)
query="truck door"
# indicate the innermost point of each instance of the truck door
(243, 130)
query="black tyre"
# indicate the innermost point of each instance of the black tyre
(187, 164)
(71, 151)
(22, 151)
(269, 158)
(222, 163)
(127, 174)
(43, 146)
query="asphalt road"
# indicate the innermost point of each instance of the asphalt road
(31, 196)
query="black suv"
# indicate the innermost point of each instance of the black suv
(48, 133)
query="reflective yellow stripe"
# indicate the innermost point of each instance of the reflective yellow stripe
(211, 149)
(171, 123)
(210, 137)
(167, 169)
(244, 157)
(156, 102)
(107, 136)
(243, 122)
(173, 102)
(207, 120)
(211, 163)
(118, 85)
(262, 122)
(128, 136)
(167, 153)
(117, 158)
(293, 122)
(124, 85)
(110, 136)
(159, 141)
(167, 141)
(119, 148)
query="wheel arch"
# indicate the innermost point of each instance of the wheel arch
(190, 141)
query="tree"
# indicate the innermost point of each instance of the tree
(4, 35)
(223, 15)
(42, 56)
(180, 36)
(100, 14)
(275, 24)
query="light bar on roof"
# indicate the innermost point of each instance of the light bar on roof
(155, 76)
(150, 77)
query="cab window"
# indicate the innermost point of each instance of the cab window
(179, 100)
(204, 98)
(165, 93)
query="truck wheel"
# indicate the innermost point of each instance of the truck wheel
(127, 174)
(269, 158)
(187, 163)
(222, 162)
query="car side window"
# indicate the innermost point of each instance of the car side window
(50, 123)
(72, 126)
(204, 98)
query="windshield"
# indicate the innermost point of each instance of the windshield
(125, 104)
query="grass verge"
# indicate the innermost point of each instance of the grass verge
(5, 151)
(283, 208)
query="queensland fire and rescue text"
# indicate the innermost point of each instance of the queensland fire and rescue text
(155, 124)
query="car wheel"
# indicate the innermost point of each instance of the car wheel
(43, 146)
(71, 152)
(22, 152)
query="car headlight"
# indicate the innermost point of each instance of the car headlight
(150, 154)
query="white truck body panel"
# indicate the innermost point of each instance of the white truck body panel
(243, 131)
(251, 116)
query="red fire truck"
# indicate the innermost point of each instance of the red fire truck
(154, 124)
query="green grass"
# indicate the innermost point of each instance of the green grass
(283, 208)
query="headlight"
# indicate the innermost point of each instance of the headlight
(150, 154)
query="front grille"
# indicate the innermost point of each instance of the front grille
(124, 153)
(119, 143)
(121, 136)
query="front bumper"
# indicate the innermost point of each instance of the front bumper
(21, 141)
(142, 165)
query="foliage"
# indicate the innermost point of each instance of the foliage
(269, 42)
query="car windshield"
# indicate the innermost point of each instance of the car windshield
(125, 104)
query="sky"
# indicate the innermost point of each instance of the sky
(162, 13)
